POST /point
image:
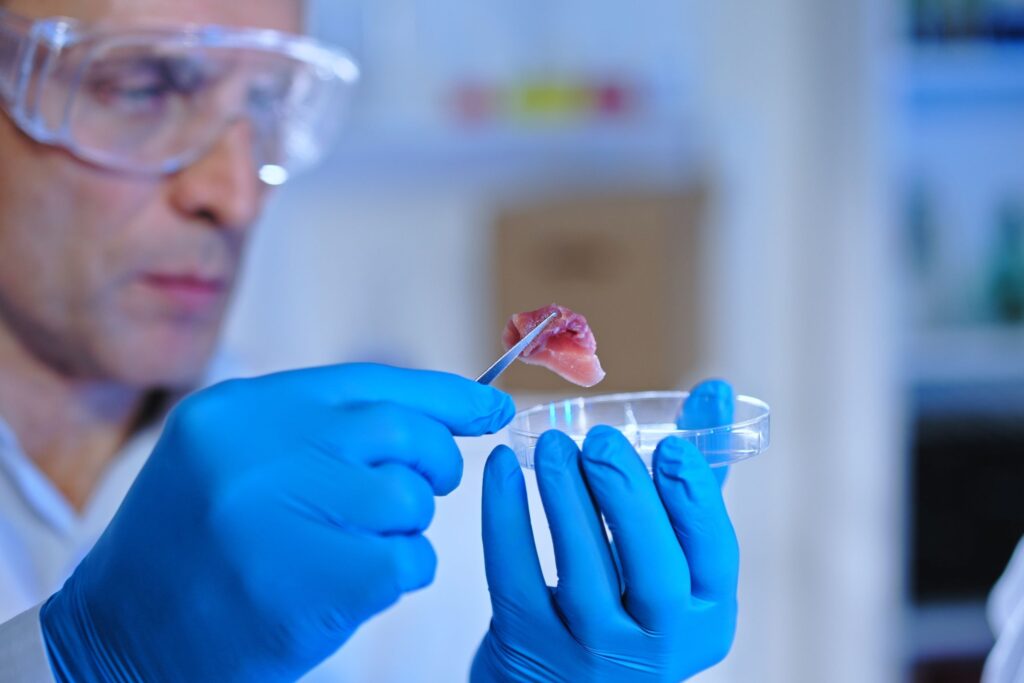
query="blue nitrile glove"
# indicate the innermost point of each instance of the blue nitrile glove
(711, 403)
(667, 614)
(274, 516)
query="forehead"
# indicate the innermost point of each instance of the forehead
(281, 15)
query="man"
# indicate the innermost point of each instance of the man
(1005, 663)
(272, 516)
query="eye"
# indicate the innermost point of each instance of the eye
(270, 93)
(138, 93)
(130, 90)
(144, 85)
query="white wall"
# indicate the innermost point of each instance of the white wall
(797, 91)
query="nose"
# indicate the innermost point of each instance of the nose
(222, 188)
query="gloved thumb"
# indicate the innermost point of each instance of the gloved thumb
(513, 569)
(711, 403)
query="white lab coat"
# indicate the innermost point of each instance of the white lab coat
(42, 539)
(1006, 615)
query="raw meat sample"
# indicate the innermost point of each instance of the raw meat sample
(566, 346)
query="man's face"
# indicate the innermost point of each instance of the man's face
(119, 278)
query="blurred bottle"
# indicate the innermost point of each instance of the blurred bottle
(920, 252)
(1007, 265)
(928, 20)
(949, 20)
(971, 18)
(920, 230)
(552, 101)
(1006, 19)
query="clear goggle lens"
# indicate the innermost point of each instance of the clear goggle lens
(155, 107)
(153, 103)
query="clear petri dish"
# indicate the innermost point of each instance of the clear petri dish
(645, 418)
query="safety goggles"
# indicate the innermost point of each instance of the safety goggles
(153, 100)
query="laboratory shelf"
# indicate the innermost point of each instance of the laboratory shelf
(968, 74)
(967, 355)
(643, 138)
(647, 149)
(947, 630)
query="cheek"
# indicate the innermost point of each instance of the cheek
(37, 259)
(61, 254)
(55, 283)
(109, 241)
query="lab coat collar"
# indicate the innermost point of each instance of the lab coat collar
(37, 492)
(44, 499)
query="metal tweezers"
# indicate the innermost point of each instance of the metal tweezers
(510, 356)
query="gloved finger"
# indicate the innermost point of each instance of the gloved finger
(388, 499)
(711, 403)
(693, 499)
(465, 407)
(588, 586)
(383, 567)
(378, 433)
(415, 561)
(322, 564)
(655, 574)
(513, 569)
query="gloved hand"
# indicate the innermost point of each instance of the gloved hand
(274, 516)
(661, 606)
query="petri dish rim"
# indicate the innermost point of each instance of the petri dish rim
(764, 414)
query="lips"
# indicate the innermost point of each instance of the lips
(186, 292)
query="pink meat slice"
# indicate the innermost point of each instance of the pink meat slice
(566, 346)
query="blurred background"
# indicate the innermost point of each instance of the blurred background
(819, 200)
